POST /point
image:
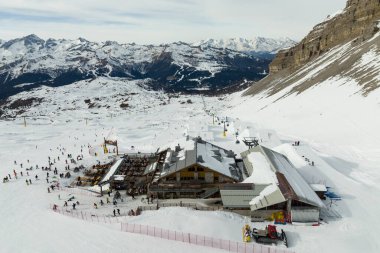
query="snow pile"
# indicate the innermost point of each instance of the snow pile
(290, 152)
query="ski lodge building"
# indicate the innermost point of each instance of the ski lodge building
(274, 186)
(196, 169)
(259, 184)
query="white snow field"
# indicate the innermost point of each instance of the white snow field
(339, 133)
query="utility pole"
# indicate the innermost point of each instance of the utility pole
(224, 129)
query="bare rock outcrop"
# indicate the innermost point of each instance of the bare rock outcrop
(346, 45)
(358, 20)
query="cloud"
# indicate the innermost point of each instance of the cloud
(36, 17)
(156, 21)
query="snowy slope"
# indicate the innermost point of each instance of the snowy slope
(336, 124)
(337, 120)
(334, 133)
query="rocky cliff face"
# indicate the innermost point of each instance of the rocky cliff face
(343, 49)
(359, 20)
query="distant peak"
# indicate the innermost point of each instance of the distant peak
(81, 39)
(32, 36)
(32, 39)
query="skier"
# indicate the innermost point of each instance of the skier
(65, 203)
(114, 212)
(95, 206)
(21, 173)
(30, 181)
(151, 198)
(118, 211)
(48, 190)
(74, 206)
(27, 182)
(36, 177)
(101, 202)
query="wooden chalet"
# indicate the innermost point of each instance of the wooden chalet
(194, 170)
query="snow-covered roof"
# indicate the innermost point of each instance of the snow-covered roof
(318, 187)
(270, 195)
(288, 180)
(262, 173)
(203, 153)
(112, 170)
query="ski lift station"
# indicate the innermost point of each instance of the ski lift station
(274, 186)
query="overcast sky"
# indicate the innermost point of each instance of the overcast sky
(158, 21)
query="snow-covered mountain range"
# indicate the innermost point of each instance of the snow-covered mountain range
(257, 45)
(30, 62)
